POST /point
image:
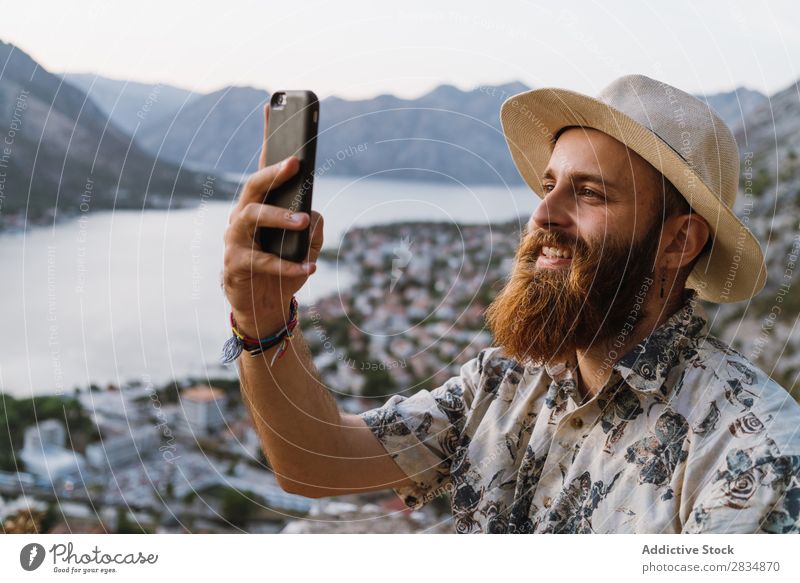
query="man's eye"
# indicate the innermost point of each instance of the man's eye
(589, 193)
(548, 187)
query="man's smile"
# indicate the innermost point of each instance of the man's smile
(554, 257)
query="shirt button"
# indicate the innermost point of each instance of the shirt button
(576, 422)
(547, 501)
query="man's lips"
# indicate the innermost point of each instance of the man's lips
(550, 262)
(554, 257)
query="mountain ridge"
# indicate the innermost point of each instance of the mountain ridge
(64, 146)
(202, 133)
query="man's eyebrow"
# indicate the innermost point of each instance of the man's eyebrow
(584, 176)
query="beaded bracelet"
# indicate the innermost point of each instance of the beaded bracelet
(239, 342)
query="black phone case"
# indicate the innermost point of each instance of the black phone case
(292, 132)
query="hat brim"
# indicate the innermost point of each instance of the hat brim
(732, 271)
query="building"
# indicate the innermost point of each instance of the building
(49, 433)
(115, 409)
(203, 409)
(44, 454)
(123, 449)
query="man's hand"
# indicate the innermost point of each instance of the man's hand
(259, 285)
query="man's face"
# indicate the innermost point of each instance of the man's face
(586, 261)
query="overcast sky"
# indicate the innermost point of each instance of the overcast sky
(360, 49)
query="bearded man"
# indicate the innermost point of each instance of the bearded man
(604, 404)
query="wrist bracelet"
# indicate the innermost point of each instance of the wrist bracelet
(239, 342)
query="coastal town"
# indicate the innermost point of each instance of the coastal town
(185, 458)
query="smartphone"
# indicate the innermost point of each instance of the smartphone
(293, 122)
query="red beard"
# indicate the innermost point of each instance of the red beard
(545, 314)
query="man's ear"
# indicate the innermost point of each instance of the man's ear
(683, 238)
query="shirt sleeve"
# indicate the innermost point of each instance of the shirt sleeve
(750, 494)
(422, 432)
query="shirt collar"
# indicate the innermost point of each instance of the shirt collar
(645, 367)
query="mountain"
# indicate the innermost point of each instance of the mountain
(769, 202)
(131, 105)
(772, 130)
(222, 131)
(735, 106)
(64, 151)
(184, 126)
(445, 135)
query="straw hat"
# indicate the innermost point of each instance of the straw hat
(680, 136)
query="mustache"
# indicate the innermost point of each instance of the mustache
(545, 236)
(534, 241)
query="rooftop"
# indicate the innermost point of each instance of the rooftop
(202, 393)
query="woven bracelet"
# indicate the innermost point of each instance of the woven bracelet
(239, 342)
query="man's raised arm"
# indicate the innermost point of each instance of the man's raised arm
(313, 448)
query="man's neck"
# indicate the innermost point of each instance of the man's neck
(595, 363)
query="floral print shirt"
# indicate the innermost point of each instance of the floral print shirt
(686, 436)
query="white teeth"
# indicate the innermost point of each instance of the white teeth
(559, 252)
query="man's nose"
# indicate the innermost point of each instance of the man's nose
(554, 210)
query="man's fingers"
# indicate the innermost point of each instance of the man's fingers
(255, 215)
(272, 176)
(249, 262)
(317, 238)
(262, 161)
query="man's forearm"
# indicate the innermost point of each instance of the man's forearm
(296, 417)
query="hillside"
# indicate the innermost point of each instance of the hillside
(769, 201)
(221, 131)
(446, 134)
(132, 106)
(64, 151)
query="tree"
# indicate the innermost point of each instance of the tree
(124, 524)
(50, 518)
(237, 506)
